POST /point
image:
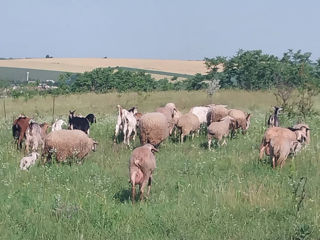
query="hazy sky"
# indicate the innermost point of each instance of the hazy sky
(160, 29)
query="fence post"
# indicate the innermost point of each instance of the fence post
(4, 109)
(53, 106)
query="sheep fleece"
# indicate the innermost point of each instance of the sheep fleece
(153, 128)
(68, 143)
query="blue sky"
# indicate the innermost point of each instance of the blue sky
(158, 29)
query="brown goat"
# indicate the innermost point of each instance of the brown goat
(19, 128)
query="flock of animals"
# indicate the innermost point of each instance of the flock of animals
(154, 127)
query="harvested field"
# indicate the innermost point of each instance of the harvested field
(87, 64)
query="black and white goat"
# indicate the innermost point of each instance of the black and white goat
(79, 123)
(273, 120)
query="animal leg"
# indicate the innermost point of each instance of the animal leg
(133, 187)
(149, 186)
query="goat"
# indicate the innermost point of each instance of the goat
(273, 120)
(79, 123)
(19, 128)
(126, 122)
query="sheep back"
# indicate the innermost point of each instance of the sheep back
(68, 143)
(154, 128)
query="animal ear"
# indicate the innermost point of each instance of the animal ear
(248, 116)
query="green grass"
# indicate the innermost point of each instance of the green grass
(196, 194)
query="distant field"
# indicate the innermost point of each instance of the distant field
(80, 65)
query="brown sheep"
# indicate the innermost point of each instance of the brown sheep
(280, 148)
(274, 132)
(141, 166)
(242, 119)
(219, 130)
(216, 113)
(154, 128)
(188, 123)
(68, 143)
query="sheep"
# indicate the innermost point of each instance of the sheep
(216, 113)
(169, 110)
(188, 123)
(154, 128)
(80, 123)
(280, 148)
(35, 135)
(68, 143)
(274, 132)
(273, 120)
(28, 161)
(176, 117)
(142, 163)
(306, 130)
(57, 125)
(91, 118)
(242, 119)
(127, 122)
(19, 128)
(201, 112)
(219, 130)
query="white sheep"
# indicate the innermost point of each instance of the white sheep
(219, 130)
(188, 123)
(28, 161)
(142, 163)
(201, 112)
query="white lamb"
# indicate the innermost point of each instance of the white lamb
(29, 160)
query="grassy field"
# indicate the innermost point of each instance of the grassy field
(197, 194)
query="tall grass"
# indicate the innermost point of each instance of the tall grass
(197, 194)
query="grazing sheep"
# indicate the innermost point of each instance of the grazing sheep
(219, 130)
(201, 112)
(306, 130)
(188, 123)
(280, 148)
(68, 143)
(80, 123)
(154, 128)
(176, 117)
(169, 110)
(19, 128)
(57, 125)
(273, 120)
(141, 166)
(91, 118)
(216, 113)
(275, 132)
(242, 119)
(28, 161)
(35, 135)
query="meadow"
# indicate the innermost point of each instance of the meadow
(196, 194)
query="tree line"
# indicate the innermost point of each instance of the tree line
(249, 70)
